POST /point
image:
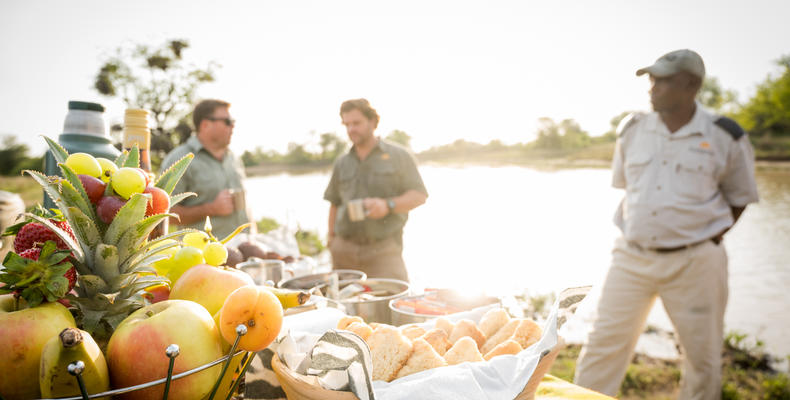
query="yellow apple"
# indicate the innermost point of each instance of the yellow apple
(23, 334)
(136, 352)
(209, 286)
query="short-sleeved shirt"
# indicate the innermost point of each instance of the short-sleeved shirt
(388, 171)
(680, 186)
(208, 176)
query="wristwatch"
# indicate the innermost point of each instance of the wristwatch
(391, 205)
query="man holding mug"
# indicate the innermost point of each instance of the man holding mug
(371, 191)
(215, 174)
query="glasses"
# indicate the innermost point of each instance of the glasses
(227, 121)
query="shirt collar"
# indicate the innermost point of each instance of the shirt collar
(696, 126)
(194, 144)
(378, 146)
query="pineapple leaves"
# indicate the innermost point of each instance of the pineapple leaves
(177, 198)
(57, 150)
(106, 261)
(132, 158)
(128, 215)
(168, 180)
(74, 193)
(134, 237)
(49, 184)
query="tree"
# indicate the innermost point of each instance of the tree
(400, 137)
(14, 157)
(332, 145)
(159, 80)
(716, 98)
(548, 134)
(767, 114)
(565, 135)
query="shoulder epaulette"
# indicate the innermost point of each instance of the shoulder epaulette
(627, 122)
(730, 126)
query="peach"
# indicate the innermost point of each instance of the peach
(259, 310)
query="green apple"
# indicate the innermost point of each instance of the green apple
(23, 333)
(209, 285)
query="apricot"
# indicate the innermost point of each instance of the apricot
(259, 310)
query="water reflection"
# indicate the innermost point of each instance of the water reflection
(510, 229)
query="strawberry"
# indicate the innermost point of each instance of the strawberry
(34, 253)
(34, 232)
(38, 274)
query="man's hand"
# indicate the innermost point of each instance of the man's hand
(222, 204)
(375, 207)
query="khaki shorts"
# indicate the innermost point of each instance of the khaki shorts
(382, 259)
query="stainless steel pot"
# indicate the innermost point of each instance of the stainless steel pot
(308, 282)
(377, 308)
(401, 317)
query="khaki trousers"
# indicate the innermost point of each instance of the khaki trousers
(692, 284)
(381, 259)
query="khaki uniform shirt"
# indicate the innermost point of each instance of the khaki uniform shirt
(680, 186)
(388, 171)
(207, 176)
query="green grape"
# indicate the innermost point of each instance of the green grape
(163, 266)
(108, 168)
(84, 164)
(127, 181)
(184, 259)
(198, 240)
(216, 254)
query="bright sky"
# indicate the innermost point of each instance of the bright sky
(439, 70)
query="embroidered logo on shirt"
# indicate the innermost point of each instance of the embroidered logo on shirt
(704, 145)
(385, 156)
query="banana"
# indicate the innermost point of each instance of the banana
(69, 346)
(289, 298)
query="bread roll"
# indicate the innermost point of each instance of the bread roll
(437, 338)
(445, 325)
(360, 328)
(347, 320)
(422, 357)
(466, 327)
(504, 333)
(412, 331)
(509, 346)
(493, 320)
(527, 333)
(389, 350)
(465, 349)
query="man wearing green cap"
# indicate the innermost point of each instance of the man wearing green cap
(688, 175)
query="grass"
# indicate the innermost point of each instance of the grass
(25, 187)
(746, 374)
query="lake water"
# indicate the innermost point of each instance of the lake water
(515, 229)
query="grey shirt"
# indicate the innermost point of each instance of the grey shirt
(207, 176)
(388, 171)
(679, 186)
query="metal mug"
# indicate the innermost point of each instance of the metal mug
(356, 210)
(266, 270)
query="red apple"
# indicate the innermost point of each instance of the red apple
(23, 334)
(209, 286)
(94, 187)
(136, 352)
(108, 206)
(159, 202)
(158, 293)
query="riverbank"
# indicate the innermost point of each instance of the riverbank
(746, 374)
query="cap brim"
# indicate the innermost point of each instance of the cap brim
(657, 70)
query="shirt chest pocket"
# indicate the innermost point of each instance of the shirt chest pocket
(635, 168)
(383, 180)
(693, 179)
(346, 184)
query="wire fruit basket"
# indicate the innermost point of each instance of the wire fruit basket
(172, 351)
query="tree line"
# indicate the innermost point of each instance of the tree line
(160, 79)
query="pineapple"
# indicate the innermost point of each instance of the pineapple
(113, 261)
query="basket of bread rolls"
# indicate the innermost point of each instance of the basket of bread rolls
(398, 352)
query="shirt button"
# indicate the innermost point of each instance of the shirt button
(664, 162)
(654, 213)
(658, 187)
(653, 238)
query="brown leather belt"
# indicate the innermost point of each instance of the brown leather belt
(664, 250)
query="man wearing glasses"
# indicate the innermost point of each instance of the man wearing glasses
(215, 174)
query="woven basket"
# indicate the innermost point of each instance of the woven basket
(297, 388)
